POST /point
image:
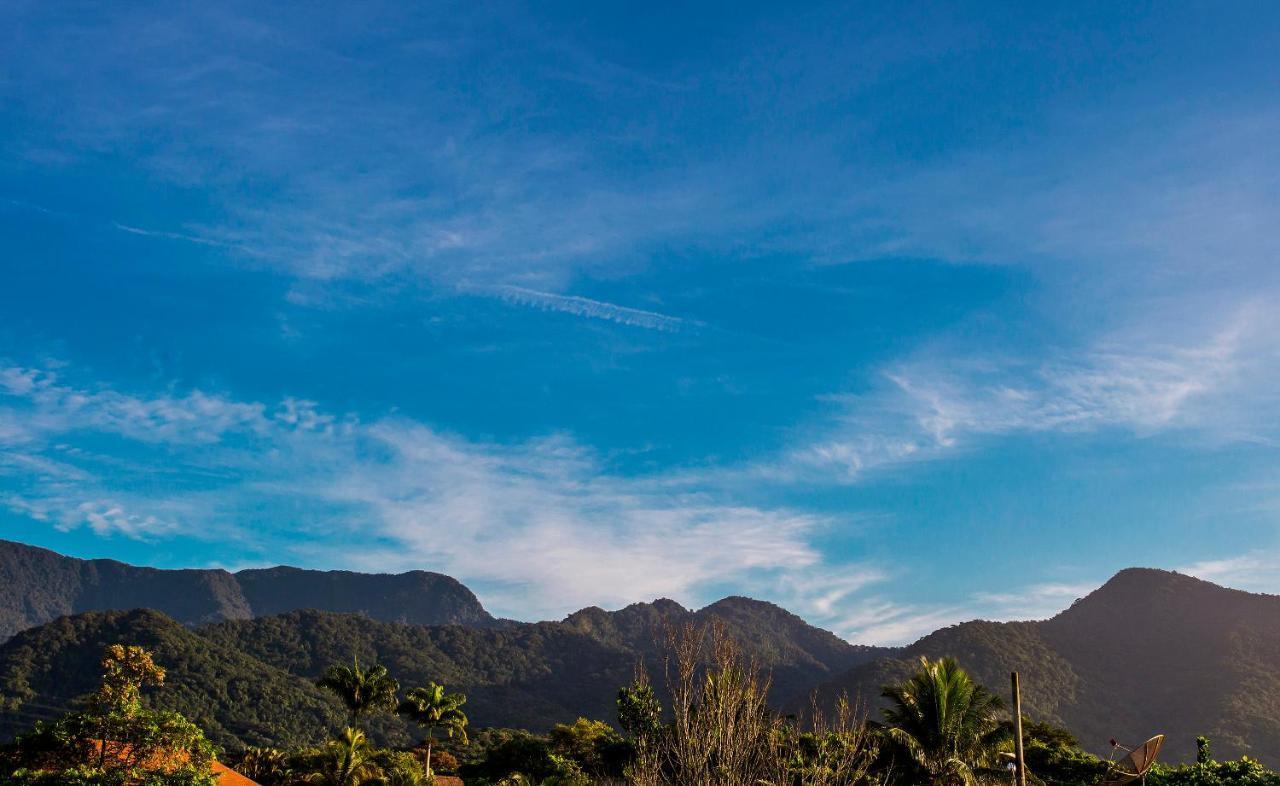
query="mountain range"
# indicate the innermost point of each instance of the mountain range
(44, 585)
(1149, 651)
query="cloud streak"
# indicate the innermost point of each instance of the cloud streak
(585, 307)
(940, 402)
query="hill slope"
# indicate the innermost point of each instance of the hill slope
(514, 674)
(1150, 651)
(41, 585)
(234, 697)
(524, 675)
(798, 655)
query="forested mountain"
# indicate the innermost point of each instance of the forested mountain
(1150, 651)
(41, 585)
(236, 698)
(797, 654)
(237, 677)
(416, 597)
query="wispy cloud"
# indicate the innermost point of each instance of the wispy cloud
(881, 620)
(1254, 571)
(103, 517)
(165, 235)
(585, 307)
(938, 402)
(539, 527)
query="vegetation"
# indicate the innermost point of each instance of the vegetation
(238, 700)
(722, 732)
(361, 691)
(942, 727)
(116, 741)
(1150, 651)
(433, 709)
(253, 687)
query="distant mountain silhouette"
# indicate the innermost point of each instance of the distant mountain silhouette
(417, 597)
(37, 585)
(1149, 651)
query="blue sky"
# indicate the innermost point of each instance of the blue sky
(895, 315)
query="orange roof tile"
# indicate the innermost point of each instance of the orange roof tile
(229, 777)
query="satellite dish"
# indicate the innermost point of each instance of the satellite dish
(1136, 764)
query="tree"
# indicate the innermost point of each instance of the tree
(117, 741)
(362, 691)
(432, 708)
(944, 724)
(593, 744)
(640, 716)
(639, 711)
(267, 766)
(347, 760)
(1053, 755)
(125, 670)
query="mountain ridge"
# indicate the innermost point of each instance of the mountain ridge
(45, 585)
(1149, 651)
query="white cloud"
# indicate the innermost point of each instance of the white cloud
(51, 407)
(1255, 571)
(104, 517)
(540, 527)
(189, 238)
(585, 307)
(884, 622)
(881, 620)
(1034, 602)
(1211, 385)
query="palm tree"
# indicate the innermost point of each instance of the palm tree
(348, 760)
(363, 691)
(432, 708)
(946, 724)
(267, 766)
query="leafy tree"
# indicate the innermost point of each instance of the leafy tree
(444, 762)
(1203, 754)
(566, 773)
(1209, 772)
(943, 724)
(362, 691)
(639, 711)
(125, 670)
(507, 752)
(432, 708)
(401, 768)
(596, 747)
(117, 741)
(1054, 756)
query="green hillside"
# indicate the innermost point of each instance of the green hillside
(1150, 651)
(234, 697)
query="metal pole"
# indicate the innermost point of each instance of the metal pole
(1017, 731)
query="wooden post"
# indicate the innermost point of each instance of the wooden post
(1017, 731)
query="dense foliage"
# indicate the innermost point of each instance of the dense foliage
(116, 741)
(941, 729)
(237, 699)
(1149, 652)
(941, 726)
